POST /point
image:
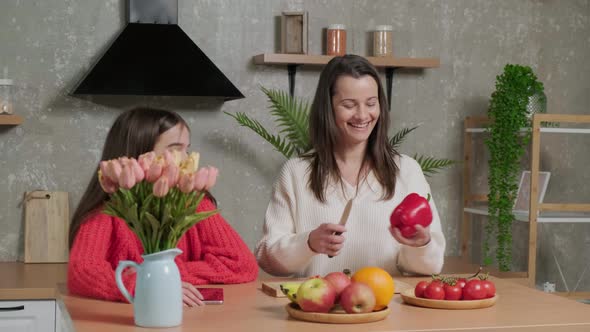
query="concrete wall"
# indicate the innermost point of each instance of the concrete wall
(47, 46)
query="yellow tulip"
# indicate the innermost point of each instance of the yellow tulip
(190, 164)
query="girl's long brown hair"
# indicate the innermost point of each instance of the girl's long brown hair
(134, 132)
(323, 131)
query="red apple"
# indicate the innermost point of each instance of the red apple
(339, 281)
(316, 295)
(357, 298)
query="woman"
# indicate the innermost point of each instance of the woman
(351, 158)
(212, 251)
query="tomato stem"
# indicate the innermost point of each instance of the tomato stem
(476, 273)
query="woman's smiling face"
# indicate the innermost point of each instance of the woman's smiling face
(356, 108)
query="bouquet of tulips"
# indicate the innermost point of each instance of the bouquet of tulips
(157, 195)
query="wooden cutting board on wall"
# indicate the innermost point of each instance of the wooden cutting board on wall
(47, 216)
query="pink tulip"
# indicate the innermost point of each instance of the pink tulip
(172, 157)
(171, 171)
(186, 183)
(103, 169)
(161, 187)
(113, 170)
(137, 170)
(213, 172)
(146, 160)
(154, 172)
(106, 184)
(123, 160)
(201, 179)
(127, 178)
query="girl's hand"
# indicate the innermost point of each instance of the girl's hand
(421, 238)
(191, 297)
(324, 240)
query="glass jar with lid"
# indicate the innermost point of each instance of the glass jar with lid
(382, 40)
(5, 96)
(336, 39)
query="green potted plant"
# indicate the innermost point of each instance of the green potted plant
(291, 116)
(509, 112)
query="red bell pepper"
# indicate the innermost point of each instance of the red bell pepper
(413, 210)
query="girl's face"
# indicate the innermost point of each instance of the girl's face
(176, 138)
(356, 108)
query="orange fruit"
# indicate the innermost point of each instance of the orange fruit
(380, 282)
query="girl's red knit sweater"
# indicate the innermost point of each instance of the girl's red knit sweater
(212, 253)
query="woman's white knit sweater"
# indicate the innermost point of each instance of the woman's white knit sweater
(294, 211)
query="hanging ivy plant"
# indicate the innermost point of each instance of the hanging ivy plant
(508, 114)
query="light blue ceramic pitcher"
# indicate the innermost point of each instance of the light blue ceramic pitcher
(158, 290)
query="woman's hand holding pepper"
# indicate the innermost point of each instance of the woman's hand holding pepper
(421, 238)
(326, 240)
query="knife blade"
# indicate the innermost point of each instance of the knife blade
(344, 217)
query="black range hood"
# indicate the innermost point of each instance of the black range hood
(153, 56)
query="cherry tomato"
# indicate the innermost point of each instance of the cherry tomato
(474, 290)
(489, 287)
(437, 281)
(453, 292)
(461, 282)
(420, 287)
(434, 291)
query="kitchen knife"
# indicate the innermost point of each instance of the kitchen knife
(344, 217)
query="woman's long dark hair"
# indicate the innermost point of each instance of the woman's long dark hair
(134, 132)
(323, 131)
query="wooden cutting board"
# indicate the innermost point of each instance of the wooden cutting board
(273, 288)
(46, 226)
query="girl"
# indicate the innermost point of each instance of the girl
(212, 251)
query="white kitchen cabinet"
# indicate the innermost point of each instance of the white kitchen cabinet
(27, 316)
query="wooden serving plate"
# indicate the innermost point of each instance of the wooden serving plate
(336, 317)
(409, 297)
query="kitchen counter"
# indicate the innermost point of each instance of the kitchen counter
(20, 281)
(247, 308)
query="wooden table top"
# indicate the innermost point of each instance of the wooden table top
(247, 308)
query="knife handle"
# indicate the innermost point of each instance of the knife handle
(335, 233)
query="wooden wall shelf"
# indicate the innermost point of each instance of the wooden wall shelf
(11, 120)
(318, 60)
(389, 63)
